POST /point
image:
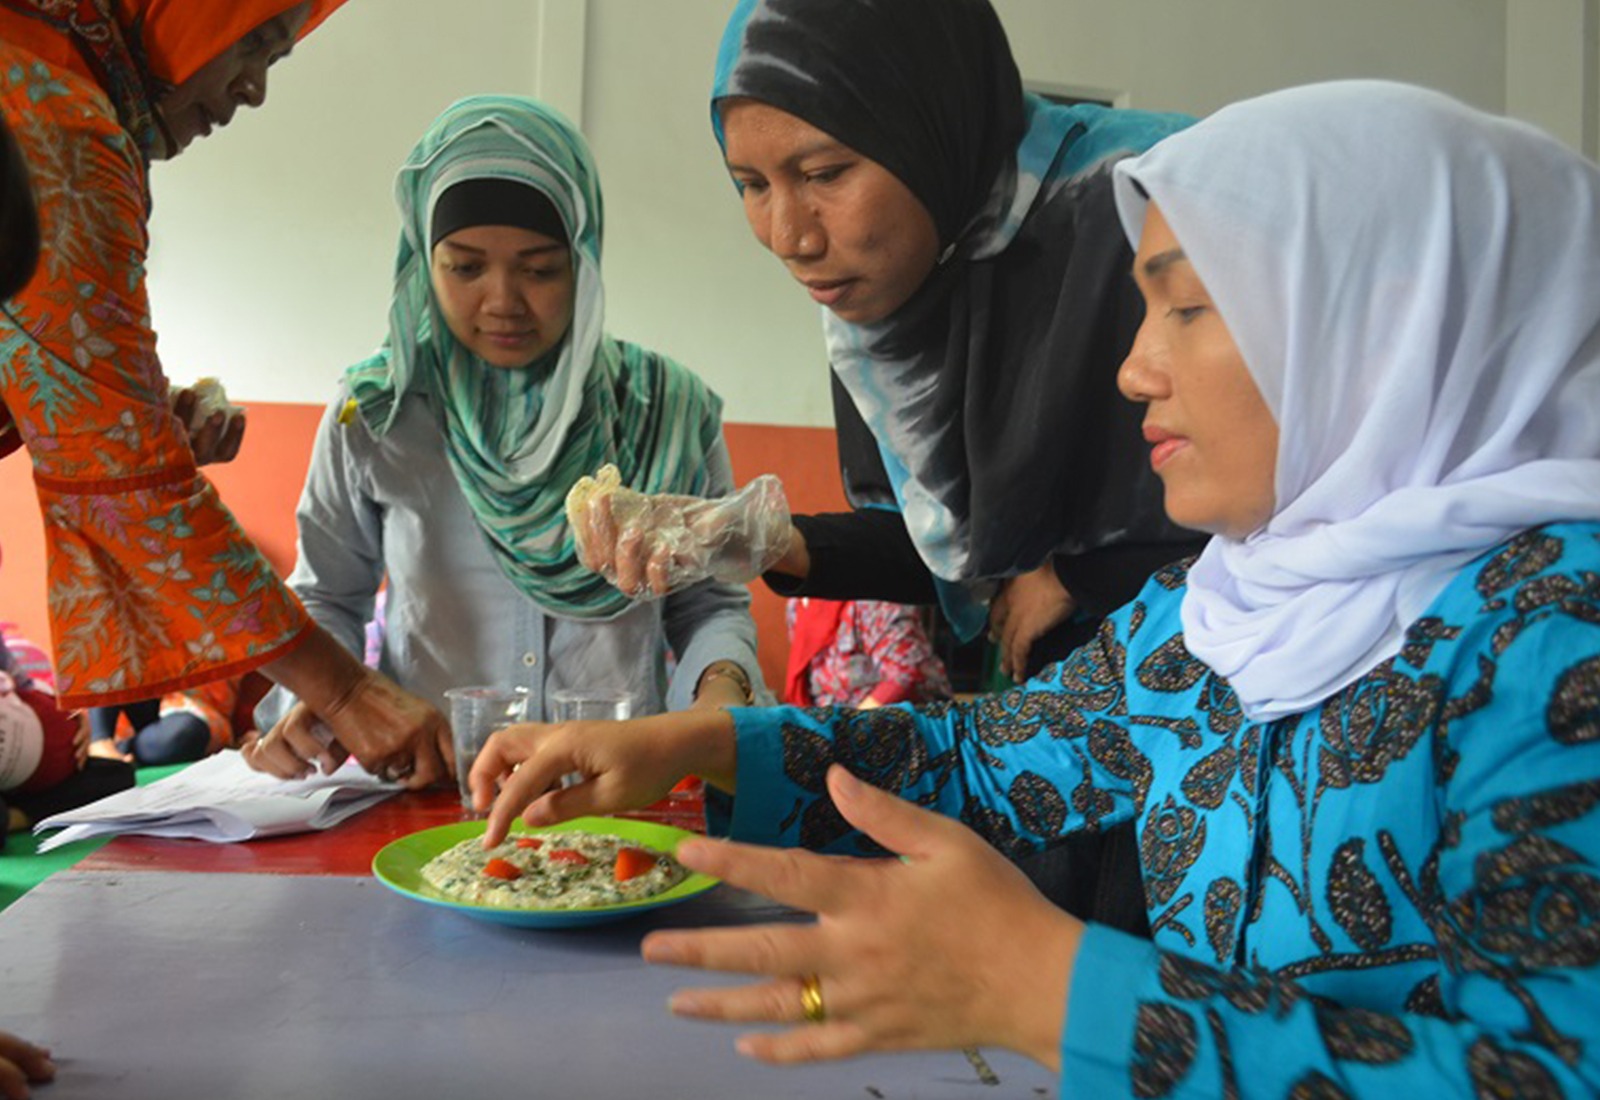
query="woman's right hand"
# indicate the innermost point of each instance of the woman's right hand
(216, 427)
(20, 1063)
(394, 734)
(654, 545)
(624, 766)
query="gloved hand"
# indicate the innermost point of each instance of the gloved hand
(215, 424)
(651, 546)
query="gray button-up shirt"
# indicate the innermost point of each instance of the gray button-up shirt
(391, 506)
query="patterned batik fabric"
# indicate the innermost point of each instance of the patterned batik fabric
(1396, 893)
(153, 586)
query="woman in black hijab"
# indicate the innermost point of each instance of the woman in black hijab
(962, 238)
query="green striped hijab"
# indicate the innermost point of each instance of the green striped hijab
(518, 439)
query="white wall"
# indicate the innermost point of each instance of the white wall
(273, 240)
(1178, 55)
(1553, 68)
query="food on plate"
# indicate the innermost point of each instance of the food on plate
(574, 869)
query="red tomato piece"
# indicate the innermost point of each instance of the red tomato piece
(568, 855)
(529, 842)
(633, 862)
(499, 868)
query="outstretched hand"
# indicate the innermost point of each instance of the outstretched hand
(948, 947)
(654, 545)
(622, 765)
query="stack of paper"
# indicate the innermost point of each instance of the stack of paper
(221, 799)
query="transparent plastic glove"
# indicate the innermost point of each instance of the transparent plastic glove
(656, 545)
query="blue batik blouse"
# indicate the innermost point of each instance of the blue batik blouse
(1396, 894)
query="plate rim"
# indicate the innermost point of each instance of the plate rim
(454, 832)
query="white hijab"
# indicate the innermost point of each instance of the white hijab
(1415, 288)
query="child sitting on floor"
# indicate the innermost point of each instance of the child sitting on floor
(177, 728)
(44, 754)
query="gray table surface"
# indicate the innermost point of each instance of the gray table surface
(176, 985)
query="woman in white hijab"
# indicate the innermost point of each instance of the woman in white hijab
(1360, 735)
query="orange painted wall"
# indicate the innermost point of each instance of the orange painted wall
(263, 485)
(807, 461)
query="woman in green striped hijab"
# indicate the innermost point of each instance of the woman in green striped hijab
(444, 461)
(520, 433)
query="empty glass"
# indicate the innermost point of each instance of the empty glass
(475, 713)
(587, 705)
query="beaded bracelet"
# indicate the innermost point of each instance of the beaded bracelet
(729, 672)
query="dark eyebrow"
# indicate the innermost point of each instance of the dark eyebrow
(1161, 261)
(824, 147)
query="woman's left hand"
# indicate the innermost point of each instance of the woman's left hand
(294, 748)
(948, 947)
(1027, 608)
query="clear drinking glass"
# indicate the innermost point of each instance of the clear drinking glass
(587, 705)
(475, 713)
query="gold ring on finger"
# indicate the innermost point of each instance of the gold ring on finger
(811, 999)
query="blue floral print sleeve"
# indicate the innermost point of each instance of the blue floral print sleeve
(1397, 893)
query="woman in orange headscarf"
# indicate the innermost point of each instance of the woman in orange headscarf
(153, 586)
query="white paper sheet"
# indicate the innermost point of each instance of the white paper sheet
(222, 799)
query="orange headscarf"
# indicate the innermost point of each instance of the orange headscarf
(182, 35)
(133, 49)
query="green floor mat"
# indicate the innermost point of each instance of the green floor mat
(22, 867)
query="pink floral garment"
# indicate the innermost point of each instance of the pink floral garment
(881, 652)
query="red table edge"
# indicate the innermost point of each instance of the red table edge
(345, 849)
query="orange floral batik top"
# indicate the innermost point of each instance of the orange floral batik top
(153, 586)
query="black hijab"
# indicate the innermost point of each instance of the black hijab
(991, 395)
